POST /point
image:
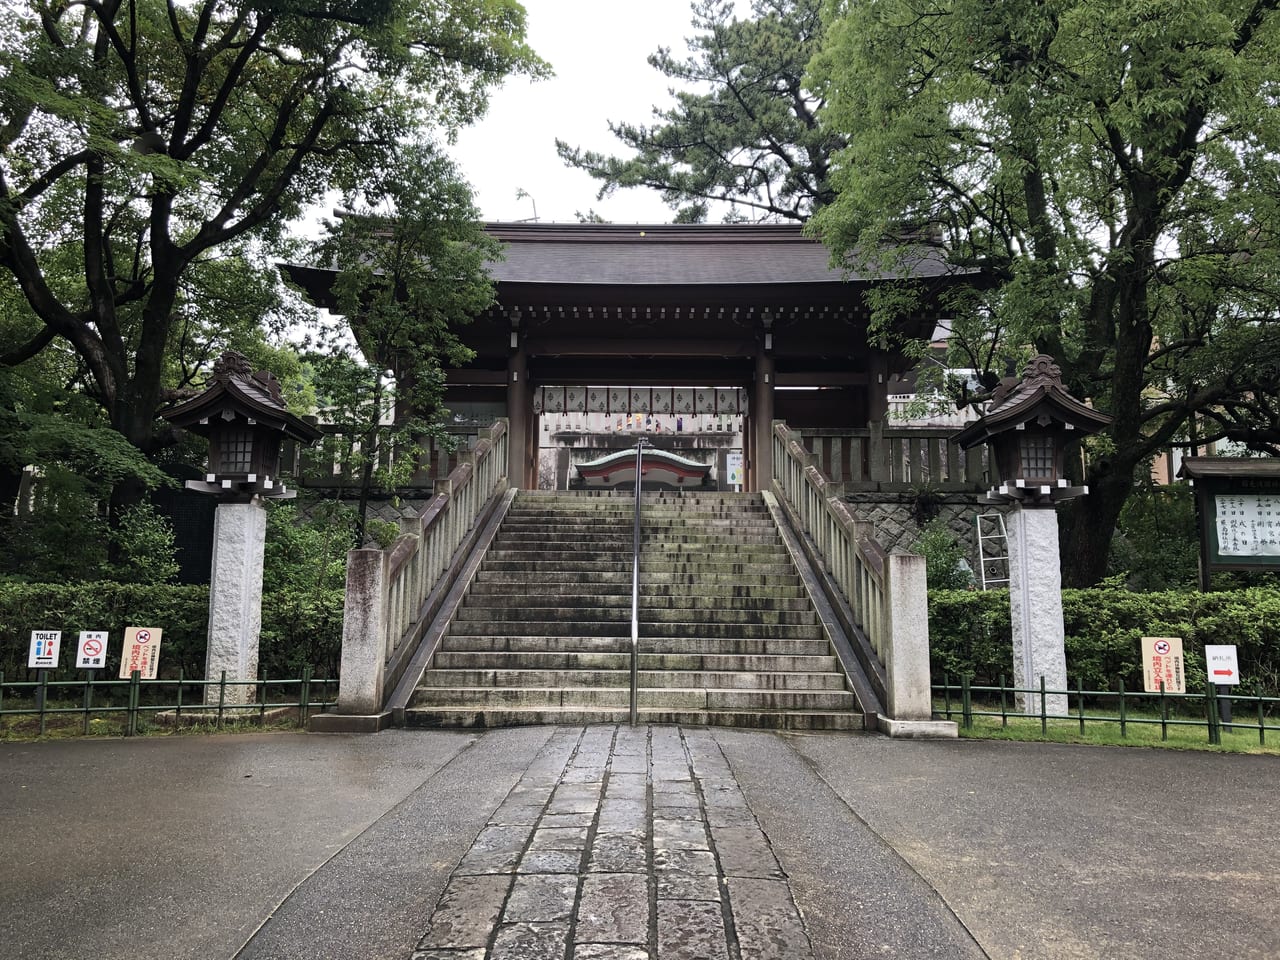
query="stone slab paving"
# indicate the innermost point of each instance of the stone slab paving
(620, 843)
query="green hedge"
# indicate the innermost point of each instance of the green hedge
(969, 634)
(297, 628)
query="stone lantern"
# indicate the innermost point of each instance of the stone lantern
(1028, 424)
(244, 418)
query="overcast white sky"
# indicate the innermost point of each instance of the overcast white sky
(598, 50)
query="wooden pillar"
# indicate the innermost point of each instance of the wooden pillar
(519, 417)
(877, 386)
(532, 443)
(761, 463)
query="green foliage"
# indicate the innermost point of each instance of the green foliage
(945, 558)
(1110, 169)
(1157, 545)
(306, 556)
(412, 270)
(63, 539)
(743, 130)
(297, 628)
(382, 532)
(154, 154)
(969, 634)
(145, 546)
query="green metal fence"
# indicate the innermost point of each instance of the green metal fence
(183, 699)
(1212, 711)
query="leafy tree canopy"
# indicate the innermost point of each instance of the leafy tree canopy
(1114, 168)
(411, 255)
(744, 128)
(148, 148)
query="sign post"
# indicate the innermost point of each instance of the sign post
(1223, 670)
(43, 657)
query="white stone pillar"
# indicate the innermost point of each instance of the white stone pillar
(907, 687)
(1035, 608)
(361, 682)
(235, 598)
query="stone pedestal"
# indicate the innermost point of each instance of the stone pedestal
(235, 598)
(1035, 608)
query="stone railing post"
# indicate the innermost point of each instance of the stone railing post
(364, 626)
(907, 661)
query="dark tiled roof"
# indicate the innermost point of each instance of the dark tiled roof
(676, 255)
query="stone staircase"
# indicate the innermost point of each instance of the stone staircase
(728, 635)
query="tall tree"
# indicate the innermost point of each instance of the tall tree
(1115, 168)
(744, 128)
(412, 268)
(140, 138)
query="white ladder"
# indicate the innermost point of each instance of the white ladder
(993, 550)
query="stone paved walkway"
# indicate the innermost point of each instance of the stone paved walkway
(620, 843)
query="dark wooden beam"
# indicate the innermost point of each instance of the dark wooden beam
(637, 346)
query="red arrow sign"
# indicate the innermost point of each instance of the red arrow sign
(1222, 673)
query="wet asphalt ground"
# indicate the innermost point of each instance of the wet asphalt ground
(612, 843)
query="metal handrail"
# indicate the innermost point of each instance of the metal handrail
(635, 589)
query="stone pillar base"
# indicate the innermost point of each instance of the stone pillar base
(1035, 609)
(235, 599)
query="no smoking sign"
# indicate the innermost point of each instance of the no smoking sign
(92, 652)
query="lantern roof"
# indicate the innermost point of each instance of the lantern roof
(1038, 396)
(238, 390)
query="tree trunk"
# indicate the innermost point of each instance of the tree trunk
(1089, 523)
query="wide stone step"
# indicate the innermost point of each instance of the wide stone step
(546, 590)
(507, 607)
(577, 552)
(678, 698)
(562, 540)
(617, 643)
(570, 627)
(574, 553)
(470, 717)
(729, 613)
(555, 598)
(645, 679)
(531, 577)
(533, 571)
(651, 571)
(714, 663)
(714, 546)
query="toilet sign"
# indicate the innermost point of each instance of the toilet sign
(141, 652)
(43, 654)
(1220, 663)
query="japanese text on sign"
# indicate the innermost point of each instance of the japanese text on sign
(1162, 662)
(92, 652)
(44, 649)
(141, 652)
(1248, 524)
